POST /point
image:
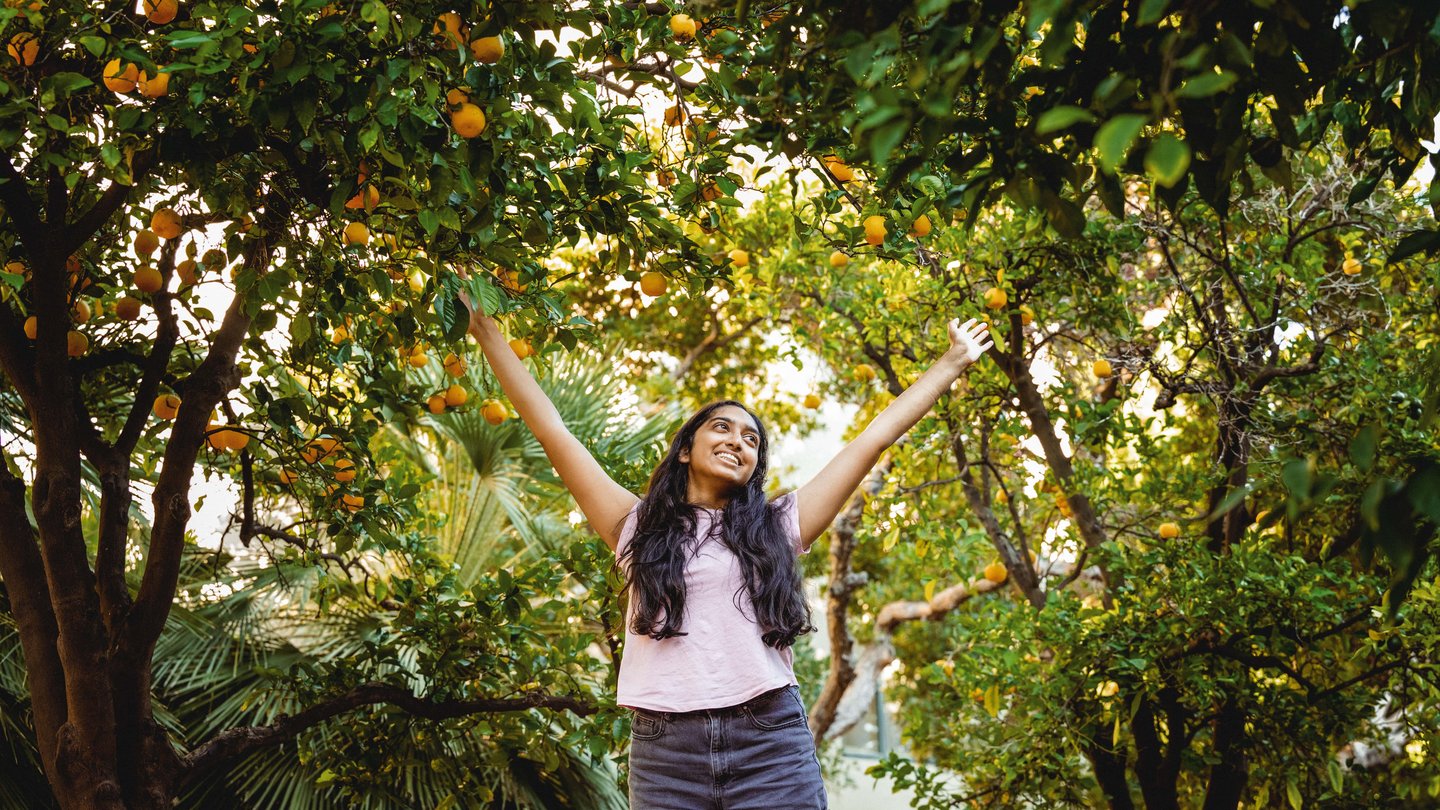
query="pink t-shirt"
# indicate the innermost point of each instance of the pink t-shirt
(721, 660)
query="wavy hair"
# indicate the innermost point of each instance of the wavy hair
(750, 526)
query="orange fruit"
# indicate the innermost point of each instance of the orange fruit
(1101, 368)
(875, 230)
(288, 476)
(456, 96)
(214, 259)
(24, 48)
(995, 572)
(1352, 266)
(494, 411)
(995, 298)
(344, 470)
(417, 358)
(146, 242)
(674, 116)
(839, 258)
(149, 280)
(436, 403)
(921, 226)
(864, 372)
(355, 234)
(1027, 315)
(319, 449)
(165, 223)
(739, 258)
(450, 30)
(80, 312)
(487, 50)
(160, 11)
(510, 280)
(120, 76)
(812, 401)
(838, 169)
(653, 284)
(30, 327)
(339, 335)
(1169, 531)
(76, 343)
(468, 120)
(166, 406)
(127, 309)
(454, 364)
(366, 198)
(153, 86)
(456, 395)
(352, 502)
(682, 27)
(711, 192)
(521, 347)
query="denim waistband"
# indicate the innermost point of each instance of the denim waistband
(724, 711)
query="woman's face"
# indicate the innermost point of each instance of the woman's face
(726, 447)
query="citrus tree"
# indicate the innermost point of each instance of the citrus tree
(231, 233)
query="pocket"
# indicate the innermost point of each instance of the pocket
(781, 709)
(646, 725)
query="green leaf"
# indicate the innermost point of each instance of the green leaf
(1206, 84)
(1362, 447)
(189, 39)
(1115, 137)
(1167, 160)
(884, 140)
(1062, 117)
(1292, 793)
(1151, 11)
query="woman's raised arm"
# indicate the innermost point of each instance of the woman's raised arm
(603, 502)
(820, 500)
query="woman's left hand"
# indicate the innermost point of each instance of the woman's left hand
(968, 342)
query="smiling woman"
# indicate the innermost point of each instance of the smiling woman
(715, 598)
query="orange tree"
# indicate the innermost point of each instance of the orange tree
(229, 231)
(1197, 471)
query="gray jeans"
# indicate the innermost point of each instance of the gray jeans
(755, 756)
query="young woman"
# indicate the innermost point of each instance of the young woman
(714, 589)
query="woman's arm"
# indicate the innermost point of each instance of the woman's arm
(603, 502)
(820, 500)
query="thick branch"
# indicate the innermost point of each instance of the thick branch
(237, 742)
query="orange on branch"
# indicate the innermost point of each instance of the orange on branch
(80, 312)
(120, 76)
(160, 12)
(682, 27)
(1101, 368)
(186, 271)
(1352, 266)
(1169, 530)
(435, 403)
(812, 401)
(920, 227)
(456, 395)
(76, 343)
(356, 233)
(30, 327)
(487, 50)
(153, 86)
(165, 406)
(344, 470)
(839, 258)
(149, 280)
(996, 572)
(450, 29)
(739, 258)
(653, 283)
(468, 120)
(24, 48)
(352, 502)
(995, 298)
(521, 347)
(366, 198)
(494, 411)
(875, 230)
(127, 308)
(166, 223)
(454, 364)
(288, 476)
(146, 242)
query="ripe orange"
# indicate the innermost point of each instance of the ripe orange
(149, 280)
(674, 116)
(166, 223)
(160, 11)
(653, 283)
(494, 411)
(1027, 315)
(711, 192)
(456, 96)
(30, 327)
(319, 449)
(24, 48)
(995, 298)
(450, 30)
(339, 335)
(352, 502)
(864, 372)
(921, 226)
(487, 50)
(76, 343)
(510, 280)
(288, 476)
(739, 258)
(682, 27)
(455, 364)
(1169, 531)
(521, 347)
(468, 120)
(812, 401)
(166, 406)
(839, 259)
(146, 242)
(875, 230)
(80, 312)
(120, 76)
(366, 198)
(1352, 266)
(418, 358)
(344, 470)
(355, 234)
(1101, 368)
(153, 86)
(436, 403)
(837, 167)
(127, 309)
(995, 572)
(456, 395)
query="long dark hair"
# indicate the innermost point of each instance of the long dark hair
(664, 540)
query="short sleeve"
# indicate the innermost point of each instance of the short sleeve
(789, 508)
